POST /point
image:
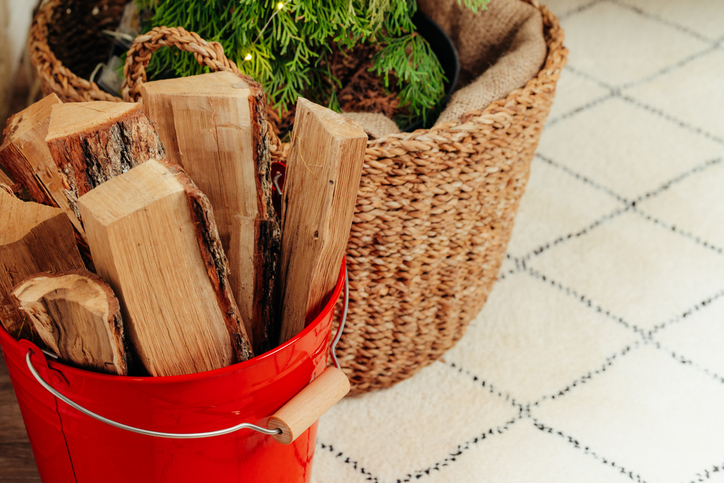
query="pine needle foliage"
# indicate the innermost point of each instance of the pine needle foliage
(287, 45)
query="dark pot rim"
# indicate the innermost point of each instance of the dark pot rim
(444, 48)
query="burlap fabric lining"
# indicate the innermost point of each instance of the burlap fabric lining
(434, 212)
(500, 49)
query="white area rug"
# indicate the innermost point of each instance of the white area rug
(599, 356)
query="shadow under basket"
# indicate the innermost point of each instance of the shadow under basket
(434, 213)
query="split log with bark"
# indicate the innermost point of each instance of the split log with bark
(92, 142)
(25, 157)
(214, 125)
(154, 240)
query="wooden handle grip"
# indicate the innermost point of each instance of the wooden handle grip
(297, 415)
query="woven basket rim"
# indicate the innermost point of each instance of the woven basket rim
(554, 62)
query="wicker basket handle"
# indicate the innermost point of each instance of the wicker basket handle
(210, 54)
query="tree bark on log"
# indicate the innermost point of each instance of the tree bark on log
(92, 142)
(214, 126)
(26, 157)
(154, 240)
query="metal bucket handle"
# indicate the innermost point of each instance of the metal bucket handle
(285, 425)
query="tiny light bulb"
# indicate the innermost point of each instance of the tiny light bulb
(248, 57)
(280, 5)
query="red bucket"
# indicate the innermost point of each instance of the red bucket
(72, 447)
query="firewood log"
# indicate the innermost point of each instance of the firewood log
(78, 317)
(214, 125)
(33, 238)
(92, 142)
(323, 175)
(26, 158)
(154, 240)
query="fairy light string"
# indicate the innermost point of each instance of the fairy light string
(279, 7)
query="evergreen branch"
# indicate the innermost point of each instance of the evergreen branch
(289, 49)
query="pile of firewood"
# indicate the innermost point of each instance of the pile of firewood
(142, 238)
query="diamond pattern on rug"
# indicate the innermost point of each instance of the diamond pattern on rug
(698, 335)
(618, 46)
(598, 356)
(537, 348)
(690, 204)
(567, 8)
(573, 93)
(626, 149)
(701, 17)
(649, 413)
(693, 94)
(525, 453)
(449, 408)
(640, 271)
(545, 217)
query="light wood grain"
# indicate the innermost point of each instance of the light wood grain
(323, 176)
(92, 142)
(304, 409)
(5, 179)
(153, 239)
(34, 238)
(214, 125)
(78, 317)
(27, 159)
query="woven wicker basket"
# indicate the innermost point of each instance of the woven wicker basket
(434, 213)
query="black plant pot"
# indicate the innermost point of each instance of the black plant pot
(444, 48)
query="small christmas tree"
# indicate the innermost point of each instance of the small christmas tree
(293, 47)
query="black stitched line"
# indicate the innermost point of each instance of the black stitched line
(663, 21)
(677, 179)
(580, 109)
(582, 178)
(608, 362)
(418, 474)
(584, 300)
(687, 313)
(461, 448)
(503, 275)
(641, 105)
(547, 246)
(346, 459)
(631, 206)
(679, 231)
(589, 77)
(488, 386)
(665, 186)
(670, 68)
(579, 9)
(707, 474)
(587, 450)
(688, 362)
(519, 266)
(616, 91)
(672, 119)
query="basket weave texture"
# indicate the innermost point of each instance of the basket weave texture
(434, 213)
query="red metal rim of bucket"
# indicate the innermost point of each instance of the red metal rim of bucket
(329, 306)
